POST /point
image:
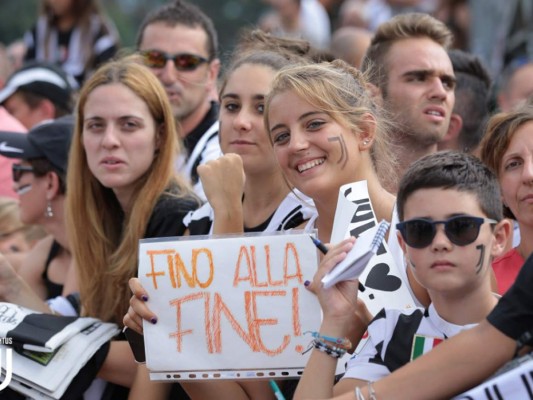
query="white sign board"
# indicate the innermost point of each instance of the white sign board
(229, 307)
(515, 383)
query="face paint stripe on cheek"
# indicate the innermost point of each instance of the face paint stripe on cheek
(344, 154)
(479, 264)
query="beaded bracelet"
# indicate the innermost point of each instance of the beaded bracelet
(343, 343)
(332, 351)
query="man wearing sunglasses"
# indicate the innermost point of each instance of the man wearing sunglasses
(179, 44)
(452, 226)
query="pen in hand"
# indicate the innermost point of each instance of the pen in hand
(319, 245)
(323, 249)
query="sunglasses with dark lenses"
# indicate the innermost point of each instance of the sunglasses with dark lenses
(460, 230)
(18, 170)
(182, 61)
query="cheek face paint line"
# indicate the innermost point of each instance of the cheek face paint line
(479, 264)
(344, 154)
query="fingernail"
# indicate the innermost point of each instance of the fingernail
(144, 297)
(307, 283)
(154, 320)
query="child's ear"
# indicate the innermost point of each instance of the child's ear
(402, 244)
(502, 235)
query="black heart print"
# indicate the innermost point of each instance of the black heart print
(379, 278)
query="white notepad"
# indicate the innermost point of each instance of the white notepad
(366, 245)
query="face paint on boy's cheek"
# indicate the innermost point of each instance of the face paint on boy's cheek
(344, 154)
(479, 264)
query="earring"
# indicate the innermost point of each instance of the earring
(366, 141)
(49, 213)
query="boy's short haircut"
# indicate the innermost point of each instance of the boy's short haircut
(453, 170)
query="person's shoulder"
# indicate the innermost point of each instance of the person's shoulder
(210, 136)
(36, 258)
(178, 200)
(200, 221)
(386, 321)
(167, 216)
(205, 211)
(43, 245)
(510, 257)
(293, 212)
(397, 312)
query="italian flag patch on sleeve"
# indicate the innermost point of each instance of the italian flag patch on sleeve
(422, 344)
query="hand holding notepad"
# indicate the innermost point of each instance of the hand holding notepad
(365, 247)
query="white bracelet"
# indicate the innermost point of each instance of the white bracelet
(371, 391)
(359, 394)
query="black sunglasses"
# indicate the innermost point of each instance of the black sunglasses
(182, 61)
(460, 230)
(18, 170)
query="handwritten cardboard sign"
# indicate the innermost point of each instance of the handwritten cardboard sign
(229, 307)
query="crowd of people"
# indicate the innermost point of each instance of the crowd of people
(156, 144)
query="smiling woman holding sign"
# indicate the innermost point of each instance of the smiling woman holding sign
(327, 132)
(122, 187)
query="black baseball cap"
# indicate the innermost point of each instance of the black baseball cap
(43, 79)
(49, 139)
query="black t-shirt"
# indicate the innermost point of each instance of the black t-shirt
(165, 221)
(513, 315)
(52, 289)
(167, 218)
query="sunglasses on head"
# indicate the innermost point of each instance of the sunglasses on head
(182, 61)
(460, 230)
(18, 170)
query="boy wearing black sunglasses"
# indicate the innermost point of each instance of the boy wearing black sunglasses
(451, 227)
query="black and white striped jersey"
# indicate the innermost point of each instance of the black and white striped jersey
(396, 337)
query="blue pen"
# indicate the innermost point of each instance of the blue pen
(320, 246)
(323, 249)
(276, 389)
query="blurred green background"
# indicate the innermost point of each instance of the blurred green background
(229, 16)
